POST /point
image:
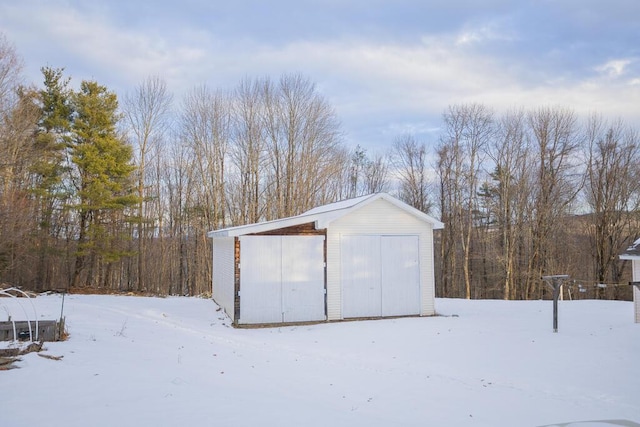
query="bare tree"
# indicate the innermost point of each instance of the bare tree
(199, 199)
(510, 153)
(303, 137)
(365, 175)
(206, 130)
(18, 154)
(248, 150)
(17, 206)
(11, 67)
(376, 175)
(612, 192)
(557, 182)
(177, 173)
(468, 130)
(147, 112)
(337, 177)
(11, 133)
(357, 164)
(286, 148)
(410, 163)
(449, 171)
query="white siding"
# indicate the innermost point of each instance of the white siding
(400, 275)
(303, 278)
(260, 279)
(361, 276)
(379, 218)
(281, 279)
(223, 273)
(380, 275)
(636, 292)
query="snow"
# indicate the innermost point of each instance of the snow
(134, 361)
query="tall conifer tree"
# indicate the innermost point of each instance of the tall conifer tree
(104, 185)
(49, 169)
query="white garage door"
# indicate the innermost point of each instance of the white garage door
(380, 276)
(281, 279)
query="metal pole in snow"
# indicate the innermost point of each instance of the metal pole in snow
(62, 307)
(556, 284)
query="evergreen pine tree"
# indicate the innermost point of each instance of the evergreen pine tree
(103, 181)
(48, 171)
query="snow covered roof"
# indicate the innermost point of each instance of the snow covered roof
(632, 252)
(323, 216)
(343, 204)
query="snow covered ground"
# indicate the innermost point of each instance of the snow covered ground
(133, 361)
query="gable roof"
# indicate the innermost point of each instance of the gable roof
(632, 252)
(323, 216)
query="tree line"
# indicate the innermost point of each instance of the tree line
(531, 193)
(101, 193)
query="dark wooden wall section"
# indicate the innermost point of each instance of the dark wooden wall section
(236, 281)
(299, 230)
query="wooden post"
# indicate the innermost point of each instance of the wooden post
(555, 282)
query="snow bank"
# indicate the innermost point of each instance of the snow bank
(133, 361)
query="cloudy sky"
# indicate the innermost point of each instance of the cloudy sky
(388, 67)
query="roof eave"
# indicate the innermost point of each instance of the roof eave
(242, 230)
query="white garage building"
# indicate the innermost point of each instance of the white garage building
(367, 257)
(633, 254)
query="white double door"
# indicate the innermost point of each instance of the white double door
(282, 279)
(380, 275)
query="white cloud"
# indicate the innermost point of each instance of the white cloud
(89, 45)
(490, 31)
(614, 68)
(130, 54)
(393, 85)
(378, 88)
